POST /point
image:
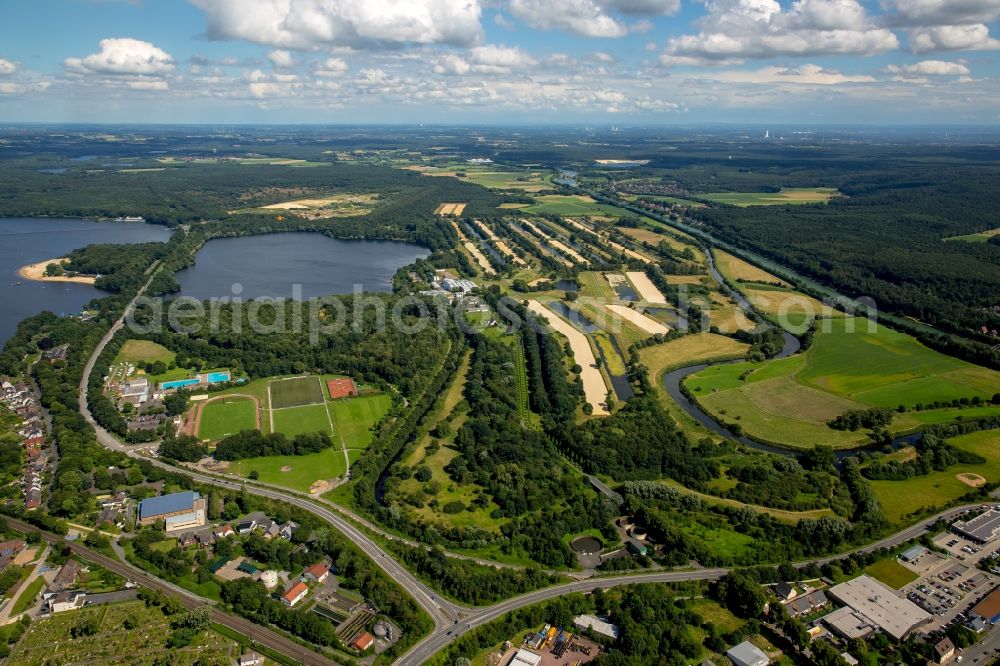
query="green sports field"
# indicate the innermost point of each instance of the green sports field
(354, 417)
(296, 472)
(226, 417)
(789, 401)
(292, 421)
(296, 391)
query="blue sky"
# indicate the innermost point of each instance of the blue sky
(501, 61)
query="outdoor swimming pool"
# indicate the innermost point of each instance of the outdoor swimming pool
(179, 383)
(208, 378)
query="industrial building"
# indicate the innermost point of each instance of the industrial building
(747, 654)
(525, 658)
(984, 528)
(988, 609)
(179, 511)
(880, 605)
(599, 626)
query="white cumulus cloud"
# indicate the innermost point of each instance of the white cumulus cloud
(582, 17)
(124, 56)
(311, 24)
(331, 67)
(808, 74)
(974, 37)
(941, 12)
(930, 68)
(733, 30)
(7, 67)
(281, 58)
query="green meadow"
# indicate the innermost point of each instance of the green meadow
(849, 366)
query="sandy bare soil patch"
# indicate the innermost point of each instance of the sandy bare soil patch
(651, 326)
(647, 290)
(286, 468)
(36, 272)
(594, 388)
(322, 486)
(972, 480)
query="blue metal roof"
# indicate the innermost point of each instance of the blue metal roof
(157, 506)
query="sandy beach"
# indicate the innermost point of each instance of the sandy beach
(36, 272)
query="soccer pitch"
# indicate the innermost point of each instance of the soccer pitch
(296, 392)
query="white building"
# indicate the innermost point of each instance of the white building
(747, 654)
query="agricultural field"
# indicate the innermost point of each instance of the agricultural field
(848, 367)
(568, 204)
(221, 418)
(981, 237)
(450, 209)
(52, 641)
(794, 311)
(295, 392)
(138, 352)
(938, 489)
(787, 196)
(738, 270)
(695, 348)
(321, 207)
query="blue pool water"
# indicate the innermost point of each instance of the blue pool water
(178, 383)
(215, 377)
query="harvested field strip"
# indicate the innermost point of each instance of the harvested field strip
(559, 245)
(738, 270)
(594, 387)
(500, 245)
(480, 258)
(647, 290)
(537, 243)
(651, 326)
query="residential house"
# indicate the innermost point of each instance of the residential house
(944, 650)
(65, 601)
(784, 591)
(295, 594)
(317, 572)
(224, 532)
(287, 530)
(66, 578)
(363, 642)
(250, 659)
(246, 526)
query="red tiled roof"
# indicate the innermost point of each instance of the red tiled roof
(318, 569)
(295, 591)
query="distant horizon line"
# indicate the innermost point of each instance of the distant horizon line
(573, 125)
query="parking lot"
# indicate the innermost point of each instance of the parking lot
(949, 586)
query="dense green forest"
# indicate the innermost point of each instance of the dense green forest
(885, 240)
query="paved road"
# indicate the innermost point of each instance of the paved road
(5, 614)
(262, 635)
(451, 620)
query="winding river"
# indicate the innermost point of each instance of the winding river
(672, 384)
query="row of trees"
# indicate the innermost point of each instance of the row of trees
(254, 443)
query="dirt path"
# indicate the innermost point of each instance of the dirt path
(594, 388)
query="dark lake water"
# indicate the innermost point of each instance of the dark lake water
(294, 265)
(29, 240)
